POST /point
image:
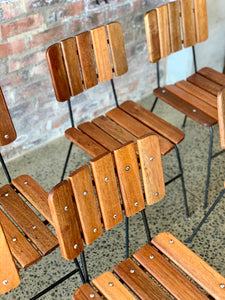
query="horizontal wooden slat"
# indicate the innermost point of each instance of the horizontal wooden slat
(164, 33)
(221, 116)
(174, 25)
(86, 203)
(22, 250)
(139, 282)
(167, 275)
(213, 75)
(207, 277)
(86, 292)
(137, 128)
(204, 83)
(35, 194)
(184, 107)
(188, 25)
(103, 169)
(159, 125)
(100, 136)
(27, 220)
(84, 142)
(201, 21)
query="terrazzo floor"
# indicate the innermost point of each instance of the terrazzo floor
(45, 164)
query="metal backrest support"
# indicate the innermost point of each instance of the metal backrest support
(113, 177)
(221, 116)
(164, 33)
(82, 61)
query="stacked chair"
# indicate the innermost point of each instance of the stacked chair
(169, 28)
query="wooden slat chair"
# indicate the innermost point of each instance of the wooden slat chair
(72, 65)
(221, 120)
(157, 258)
(26, 232)
(169, 28)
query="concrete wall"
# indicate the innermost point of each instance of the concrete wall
(28, 27)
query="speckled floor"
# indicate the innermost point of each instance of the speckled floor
(45, 165)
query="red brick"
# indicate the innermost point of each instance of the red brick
(11, 10)
(25, 60)
(14, 47)
(13, 81)
(20, 26)
(31, 5)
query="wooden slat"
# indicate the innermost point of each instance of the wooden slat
(27, 220)
(167, 275)
(86, 203)
(213, 75)
(201, 20)
(35, 194)
(137, 128)
(111, 288)
(69, 51)
(152, 36)
(197, 92)
(164, 33)
(188, 24)
(207, 277)
(86, 57)
(184, 107)
(117, 46)
(86, 292)
(22, 250)
(7, 130)
(103, 169)
(204, 83)
(221, 116)
(196, 102)
(64, 217)
(159, 125)
(174, 25)
(151, 167)
(100, 136)
(139, 282)
(84, 142)
(129, 179)
(116, 131)
(58, 73)
(101, 51)
(9, 275)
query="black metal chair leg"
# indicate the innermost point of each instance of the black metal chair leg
(209, 166)
(154, 104)
(5, 169)
(127, 237)
(66, 162)
(79, 270)
(184, 122)
(206, 216)
(147, 230)
(84, 265)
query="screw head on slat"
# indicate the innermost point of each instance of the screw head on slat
(14, 239)
(75, 246)
(66, 208)
(222, 286)
(106, 179)
(136, 203)
(25, 182)
(115, 216)
(92, 295)
(34, 227)
(111, 284)
(6, 136)
(151, 158)
(132, 271)
(171, 242)
(95, 230)
(6, 195)
(5, 282)
(85, 193)
(194, 110)
(151, 256)
(127, 168)
(156, 194)
(163, 91)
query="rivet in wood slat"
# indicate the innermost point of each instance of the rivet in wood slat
(111, 284)
(222, 286)
(151, 158)
(14, 239)
(6, 195)
(66, 208)
(132, 271)
(34, 227)
(6, 136)
(151, 256)
(127, 168)
(75, 246)
(136, 203)
(194, 110)
(92, 295)
(163, 91)
(85, 193)
(5, 282)
(25, 182)
(156, 194)
(106, 179)
(171, 241)
(115, 216)
(95, 230)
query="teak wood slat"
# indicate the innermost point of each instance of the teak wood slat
(184, 107)
(111, 288)
(204, 83)
(201, 21)
(138, 281)
(100, 136)
(35, 194)
(151, 167)
(86, 57)
(164, 33)
(27, 220)
(107, 190)
(69, 51)
(7, 130)
(21, 249)
(207, 277)
(58, 73)
(174, 26)
(63, 212)
(129, 179)
(213, 75)
(167, 275)
(159, 125)
(85, 292)
(221, 116)
(188, 25)
(137, 128)
(9, 275)
(152, 36)
(85, 200)
(117, 46)
(84, 142)
(101, 50)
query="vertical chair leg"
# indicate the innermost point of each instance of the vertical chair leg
(209, 166)
(127, 237)
(182, 182)
(66, 162)
(84, 265)
(154, 104)
(5, 169)
(79, 269)
(206, 216)
(147, 230)
(184, 122)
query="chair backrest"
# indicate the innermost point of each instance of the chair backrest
(72, 62)
(221, 115)
(164, 32)
(112, 176)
